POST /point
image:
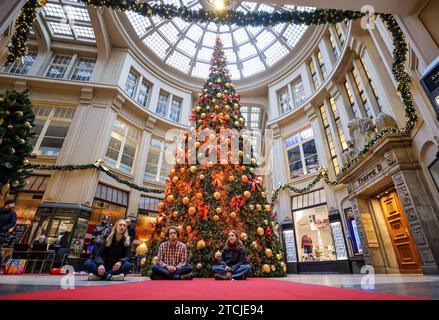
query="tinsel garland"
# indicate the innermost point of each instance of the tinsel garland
(99, 165)
(319, 16)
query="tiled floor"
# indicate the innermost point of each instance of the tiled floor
(412, 285)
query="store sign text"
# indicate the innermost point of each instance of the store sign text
(370, 175)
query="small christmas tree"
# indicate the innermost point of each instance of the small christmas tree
(206, 200)
(16, 122)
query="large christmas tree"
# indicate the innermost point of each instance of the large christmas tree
(210, 192)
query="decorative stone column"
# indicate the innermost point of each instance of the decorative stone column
(361, 231)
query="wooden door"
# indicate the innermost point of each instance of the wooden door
(405, 249)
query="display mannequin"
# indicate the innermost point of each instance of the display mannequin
(307, 245)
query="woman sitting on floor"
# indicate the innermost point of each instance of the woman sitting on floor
(233, 264)
(112, 260)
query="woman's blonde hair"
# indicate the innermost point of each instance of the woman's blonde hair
(125, 237)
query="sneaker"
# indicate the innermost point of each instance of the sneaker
(188, 276)
(117, 277)
(93, 277)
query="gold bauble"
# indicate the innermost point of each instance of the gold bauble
(253, 161)
(175, 214)
(258, 207)
(251, 207)
(217, 195)
(197, 144)
(141, 249)
(284, 268)
(247, 194)
(182, 170)
(254, 244)
(199, 196)
(218, 254)
(218, 80)
(201, 244)
(278, 256)
(267, 207)
(186, 200)
(241, 120)
(236, 123)
(188, 229)
(273, 268)
(191, 210)
(199, 266)
(251, 170)
(231, 178)
(264, 194)
(227, 108)
(213, 100)
(218, 210)
(15, 183)
(282, 264)
(215, 218)
(193, 169)
(142, 262)
(203, 115)
(266, 222)
(266, 268)
(260, 231)
(236, 106)
(243, 236)
(160, 205)
(244, 179)
(154, 260)
(217, 107)
(233, 215)
(227, 85)
(175, 179)
(170, 198)
(10, 126)
(201, 177)
(268, 253)
(197, 108)
(219, 95)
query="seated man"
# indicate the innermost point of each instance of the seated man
(172, 259)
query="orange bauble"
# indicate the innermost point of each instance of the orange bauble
(199, 195)
(186, 200)
(188, 229)
(227, 117)
(260, 231)
(192, 210)
(201, 244)
(242, 168)
(170, 198)
(215, 218)
(175, 179)
(217, 195)
(193, 169)
(247, 194)
(197, 144)
(231, 178)
(233, 215)
(218, 210)
(244, 179)
(182, 170)
(175, 214)
(160, 205)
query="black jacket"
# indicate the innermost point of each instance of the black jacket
(8, 219)
(132, 232)
(233, 258)
(108, 256)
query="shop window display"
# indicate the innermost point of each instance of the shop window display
(314, 235)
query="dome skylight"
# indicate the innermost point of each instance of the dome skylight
(188, 47)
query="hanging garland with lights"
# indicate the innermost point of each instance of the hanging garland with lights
(100, 166)
(18, 49)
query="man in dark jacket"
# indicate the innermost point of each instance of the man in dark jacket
(8, 219)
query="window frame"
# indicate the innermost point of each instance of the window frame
(46, 125)
(78, 60)
(67, 66)
(302, 153)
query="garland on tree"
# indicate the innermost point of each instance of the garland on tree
(18, 48)
(16, 122)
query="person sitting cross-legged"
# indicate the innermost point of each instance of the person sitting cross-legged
(172, 259)
(233, 264)
(112, 260)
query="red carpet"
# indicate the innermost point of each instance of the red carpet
(207, 289)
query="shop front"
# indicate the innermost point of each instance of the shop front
(314, 239)
(391, 215)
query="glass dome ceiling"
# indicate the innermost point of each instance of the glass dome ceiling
(188, 47)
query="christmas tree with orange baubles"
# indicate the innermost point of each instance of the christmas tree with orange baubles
(214, 186)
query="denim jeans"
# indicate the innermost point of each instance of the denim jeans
(240, 274)
(165, 274)
(92, 267)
